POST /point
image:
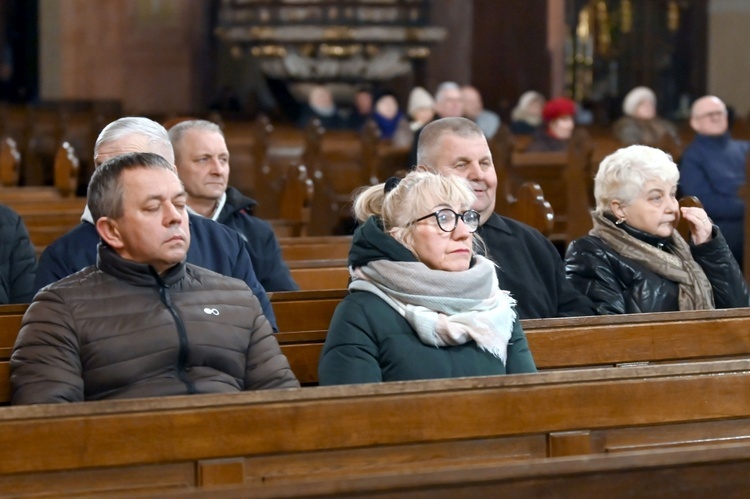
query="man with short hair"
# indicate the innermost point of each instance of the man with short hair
(214, 246)
(474, 109)
(529, 266)
(712, 168)
(142, 322)
(202, 161)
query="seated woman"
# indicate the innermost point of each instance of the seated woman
(641, 125)
(422, 303)
(526, 117)
(559, 118)
(633, 260)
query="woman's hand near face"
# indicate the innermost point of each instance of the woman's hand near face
(700, 225)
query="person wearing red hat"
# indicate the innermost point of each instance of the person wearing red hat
(558, 115)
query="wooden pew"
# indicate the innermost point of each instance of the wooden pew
(315, 247)
(565, 178)
(312, 275)
(603, 341)
(718, 470)
(322, 435)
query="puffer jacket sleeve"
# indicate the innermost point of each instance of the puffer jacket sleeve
(266, 367)
(716, 259)
(22, 265)
(589, 270)
(350, 354)
(45, 364)
(519, 358)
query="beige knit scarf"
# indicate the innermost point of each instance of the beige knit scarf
(444, 308)
(695, 292)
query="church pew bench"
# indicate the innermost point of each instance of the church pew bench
(315, 247)
(718, 470)
(577, 342)
(326, 434)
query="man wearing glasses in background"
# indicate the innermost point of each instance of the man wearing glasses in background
(712, 168)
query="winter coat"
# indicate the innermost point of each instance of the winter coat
(17, 259)
(368, 341)
(212, 246)
(532, 270)
(713, 169)
(119, 330)
(619, 285)
(261, 242)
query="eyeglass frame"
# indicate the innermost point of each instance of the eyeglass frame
(456, 216)
(712, 115)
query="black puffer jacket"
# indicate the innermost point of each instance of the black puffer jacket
(619, 285)
(118, 330)
(17, 259)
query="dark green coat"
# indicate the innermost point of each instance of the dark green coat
(368, 341)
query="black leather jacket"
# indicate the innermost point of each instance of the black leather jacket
(619, 285)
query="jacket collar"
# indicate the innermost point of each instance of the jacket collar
(136, 274)
(236, 201)
(496, 222)
(656, 241)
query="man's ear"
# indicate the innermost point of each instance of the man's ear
(421, 168)
(109, 232)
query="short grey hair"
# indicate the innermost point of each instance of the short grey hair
(623, 174)
(177, 132)
(105, 190)
(433, 131)
(156, 134)
(444, 87)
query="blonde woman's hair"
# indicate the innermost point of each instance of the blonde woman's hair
(413, 197)
(623, 174)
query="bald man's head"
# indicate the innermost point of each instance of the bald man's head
(708, 116)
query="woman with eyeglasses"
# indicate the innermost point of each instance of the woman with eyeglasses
(422, 303)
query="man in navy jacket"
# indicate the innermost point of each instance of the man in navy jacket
(213, 246)
(202, 161)
(712, 168)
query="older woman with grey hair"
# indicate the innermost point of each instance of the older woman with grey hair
(422, 303)
(633, 260)
(640, 124)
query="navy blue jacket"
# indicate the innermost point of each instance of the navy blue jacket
(17, 259)
(262, 245)
(713, 168)
(212, 246)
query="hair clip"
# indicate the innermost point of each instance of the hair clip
(391, 184)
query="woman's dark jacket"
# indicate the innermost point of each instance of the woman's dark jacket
(17, 259)
(619, 285)
(368, 341)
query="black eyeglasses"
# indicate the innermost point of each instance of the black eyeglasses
(447, 219)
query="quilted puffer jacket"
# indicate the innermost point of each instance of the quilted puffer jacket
(619, 285)
(119, 330)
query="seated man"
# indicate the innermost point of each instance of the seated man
(202, 161)
(214, 247)
(142, 322)
(474, 109)
(713, 169)
(529, 266)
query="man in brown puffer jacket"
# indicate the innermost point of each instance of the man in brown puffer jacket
(142, 322)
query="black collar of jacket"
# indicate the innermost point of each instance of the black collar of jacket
(656, 241)
(137, 274)
(496, 222)
(236, 201)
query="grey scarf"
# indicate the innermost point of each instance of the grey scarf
(444, 308)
